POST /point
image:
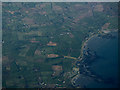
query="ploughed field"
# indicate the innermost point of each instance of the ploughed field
(42, 41)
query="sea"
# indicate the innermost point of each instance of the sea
(102, 72)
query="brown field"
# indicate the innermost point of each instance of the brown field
(98, 8)
(105, 26)
(52, 44)
(52, 55)
(37, 52)
(4, 58)
(82, 16)
(43, 12)
(28, 21)
(57, 68)
(79, 7)
(11, 12)
(34, 41)
(40, 60)
(57, 8)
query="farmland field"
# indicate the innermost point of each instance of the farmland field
(43, 41)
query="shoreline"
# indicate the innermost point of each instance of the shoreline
(84, 44)
(81, 56)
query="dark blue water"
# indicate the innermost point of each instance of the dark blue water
(104, 67)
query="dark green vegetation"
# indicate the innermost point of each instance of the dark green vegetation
(29, 27)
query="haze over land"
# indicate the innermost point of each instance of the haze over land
(43, 41)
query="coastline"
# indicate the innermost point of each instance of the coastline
(84, 44)
(81, 55)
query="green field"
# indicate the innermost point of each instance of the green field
(29, 27)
